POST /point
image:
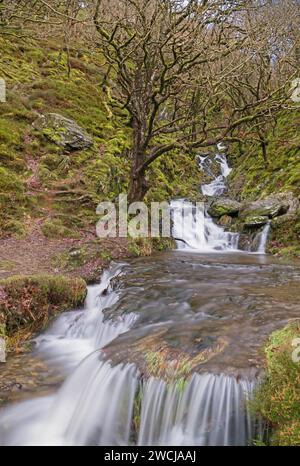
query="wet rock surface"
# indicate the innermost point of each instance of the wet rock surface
(209, 314)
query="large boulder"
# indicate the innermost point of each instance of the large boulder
(293, 211)
(224, 206)
(270, 207)
(63, 131)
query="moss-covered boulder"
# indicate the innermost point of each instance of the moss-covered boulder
(30, 301)
(277, 397)
(224, 206)
(63, 131)
(270, 207)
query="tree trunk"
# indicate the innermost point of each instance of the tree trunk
(137, 185)
(263, 146)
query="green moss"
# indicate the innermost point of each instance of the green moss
(277, 398)
(54, 228)
(38, 82)
(253, 179)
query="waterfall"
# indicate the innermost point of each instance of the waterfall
(97, 406)
(263, 238)
(193, 228)
(75, 334)
(103, 404)
(209, 410)
(218, 186)
(93, 407)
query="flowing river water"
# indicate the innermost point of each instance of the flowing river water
(167, 350)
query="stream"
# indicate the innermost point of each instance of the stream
(167, 350)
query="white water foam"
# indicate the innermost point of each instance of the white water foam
(95, 406)
(76, 334)
(194, 230)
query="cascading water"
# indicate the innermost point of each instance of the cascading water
(97, 403)
(193, 228)
(263, 238)
(74, 335)
(218, 186)
(210, 410)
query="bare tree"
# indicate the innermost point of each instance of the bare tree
(156, 53)
(258, 89)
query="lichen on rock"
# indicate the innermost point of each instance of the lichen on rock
(63, 132)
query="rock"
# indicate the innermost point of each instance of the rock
(63, 131)
(293, 212)
(270, 207)
(224, 206)
(255, 221)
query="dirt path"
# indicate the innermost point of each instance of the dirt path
(38, 254)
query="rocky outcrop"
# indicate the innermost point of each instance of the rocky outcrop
(224, 206)
(63, 132)
(281, 210)
(293, 211)
(270, 207)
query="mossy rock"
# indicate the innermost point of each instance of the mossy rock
(63, 132)
(270, 207)
(224, 206)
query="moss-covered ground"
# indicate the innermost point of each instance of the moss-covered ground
(39, 179)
